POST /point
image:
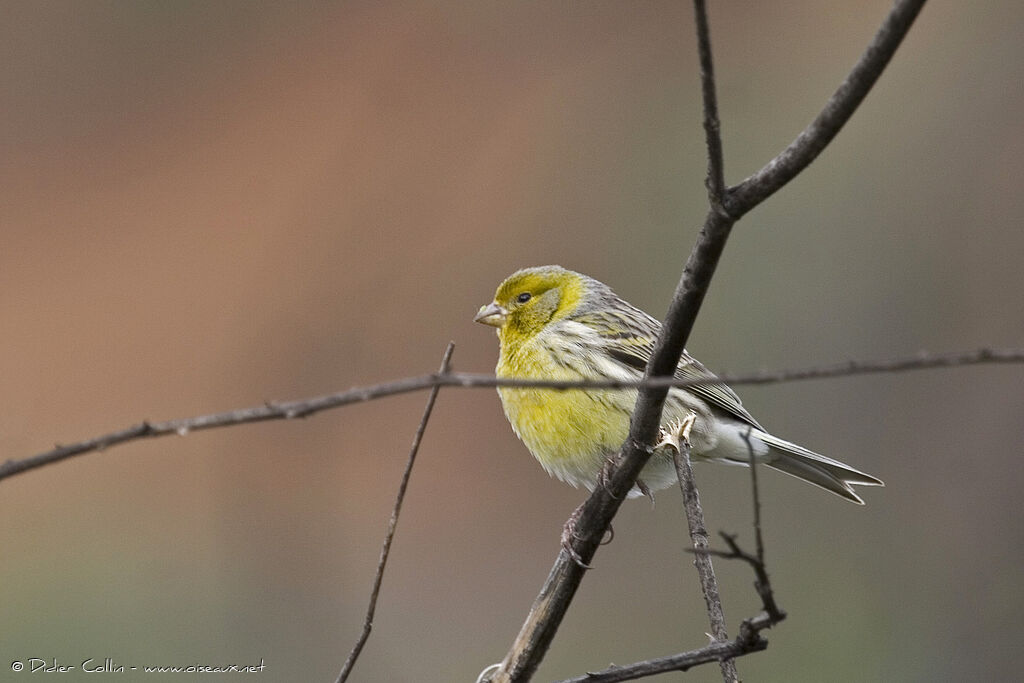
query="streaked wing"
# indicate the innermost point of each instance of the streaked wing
(719, 395)
(629, 336)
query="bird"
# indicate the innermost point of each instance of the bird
(556, 324)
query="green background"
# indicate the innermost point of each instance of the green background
(208, 205)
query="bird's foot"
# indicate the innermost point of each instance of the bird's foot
(605, 473)
(569, 533)
(604, 476)
(678, 431)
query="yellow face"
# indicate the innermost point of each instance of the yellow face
(531, 299)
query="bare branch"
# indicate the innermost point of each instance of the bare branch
(756, 495)
(702, 560)
(712, 128)
(761, 584)
(385, 550)
(309, 406)
(749, 640)
(679, 662)
(837, 111)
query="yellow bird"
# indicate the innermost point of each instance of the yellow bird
(554, 323)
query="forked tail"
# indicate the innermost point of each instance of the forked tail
(815, 468)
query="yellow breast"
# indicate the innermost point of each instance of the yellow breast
(570, 432)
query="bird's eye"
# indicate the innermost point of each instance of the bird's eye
(524, 297)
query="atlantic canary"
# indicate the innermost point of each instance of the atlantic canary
(554, 323)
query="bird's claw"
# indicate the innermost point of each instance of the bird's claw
(645, 489)
(568, 534)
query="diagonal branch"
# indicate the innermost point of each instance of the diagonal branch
(837, 111)
(389, 536)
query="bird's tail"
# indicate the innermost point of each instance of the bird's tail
(815, 468)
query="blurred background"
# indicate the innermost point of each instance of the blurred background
(204, 206)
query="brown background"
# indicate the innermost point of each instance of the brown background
(208, 205)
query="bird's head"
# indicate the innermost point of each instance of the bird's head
(530, 299)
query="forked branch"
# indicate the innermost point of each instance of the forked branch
(597, 512)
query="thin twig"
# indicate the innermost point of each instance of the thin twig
(385, 550)
(761, 584)
(702, 560)
(755, 495)
(305, 407)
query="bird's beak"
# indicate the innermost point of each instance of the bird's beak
(492, 314)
